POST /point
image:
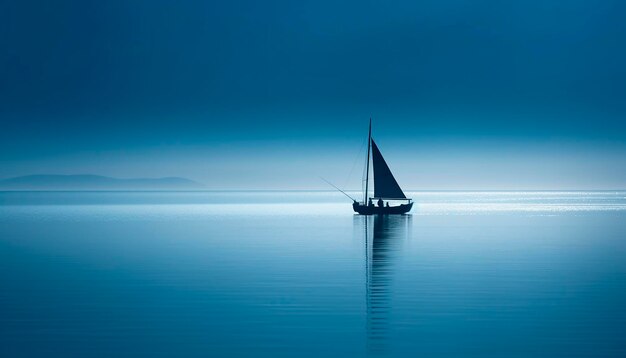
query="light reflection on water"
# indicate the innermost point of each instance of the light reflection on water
(298, 274)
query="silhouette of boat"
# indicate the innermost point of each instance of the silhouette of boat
(386, 187)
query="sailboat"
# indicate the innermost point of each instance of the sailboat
(386, 187)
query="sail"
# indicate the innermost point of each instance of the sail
(385, 185)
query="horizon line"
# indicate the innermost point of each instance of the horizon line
(306, 190)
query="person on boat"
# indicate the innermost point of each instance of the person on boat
(387, 205)
(369, 203)
(380, 202)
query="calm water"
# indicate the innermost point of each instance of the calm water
(291, 274)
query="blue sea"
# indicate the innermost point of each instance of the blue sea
(297, 274)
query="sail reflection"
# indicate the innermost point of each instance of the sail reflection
(383, 237)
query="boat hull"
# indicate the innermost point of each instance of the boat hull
(384, 210)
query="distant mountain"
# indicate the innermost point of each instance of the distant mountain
(96, 182)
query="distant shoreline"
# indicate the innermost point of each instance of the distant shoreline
(88, 182)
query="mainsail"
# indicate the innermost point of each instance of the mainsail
(385, 185)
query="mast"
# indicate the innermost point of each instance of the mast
(367, 167)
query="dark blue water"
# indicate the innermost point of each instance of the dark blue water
(272, 274)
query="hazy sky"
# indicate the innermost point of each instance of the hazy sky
(273, 94)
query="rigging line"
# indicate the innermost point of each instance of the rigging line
(354, 163)
(333, 185)
(363, 175)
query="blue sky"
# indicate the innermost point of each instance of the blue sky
(271, 95)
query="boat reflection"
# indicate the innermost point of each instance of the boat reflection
(383, 236)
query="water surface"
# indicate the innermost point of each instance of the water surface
(283, 274)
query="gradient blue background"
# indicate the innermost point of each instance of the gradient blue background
(271, 95)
